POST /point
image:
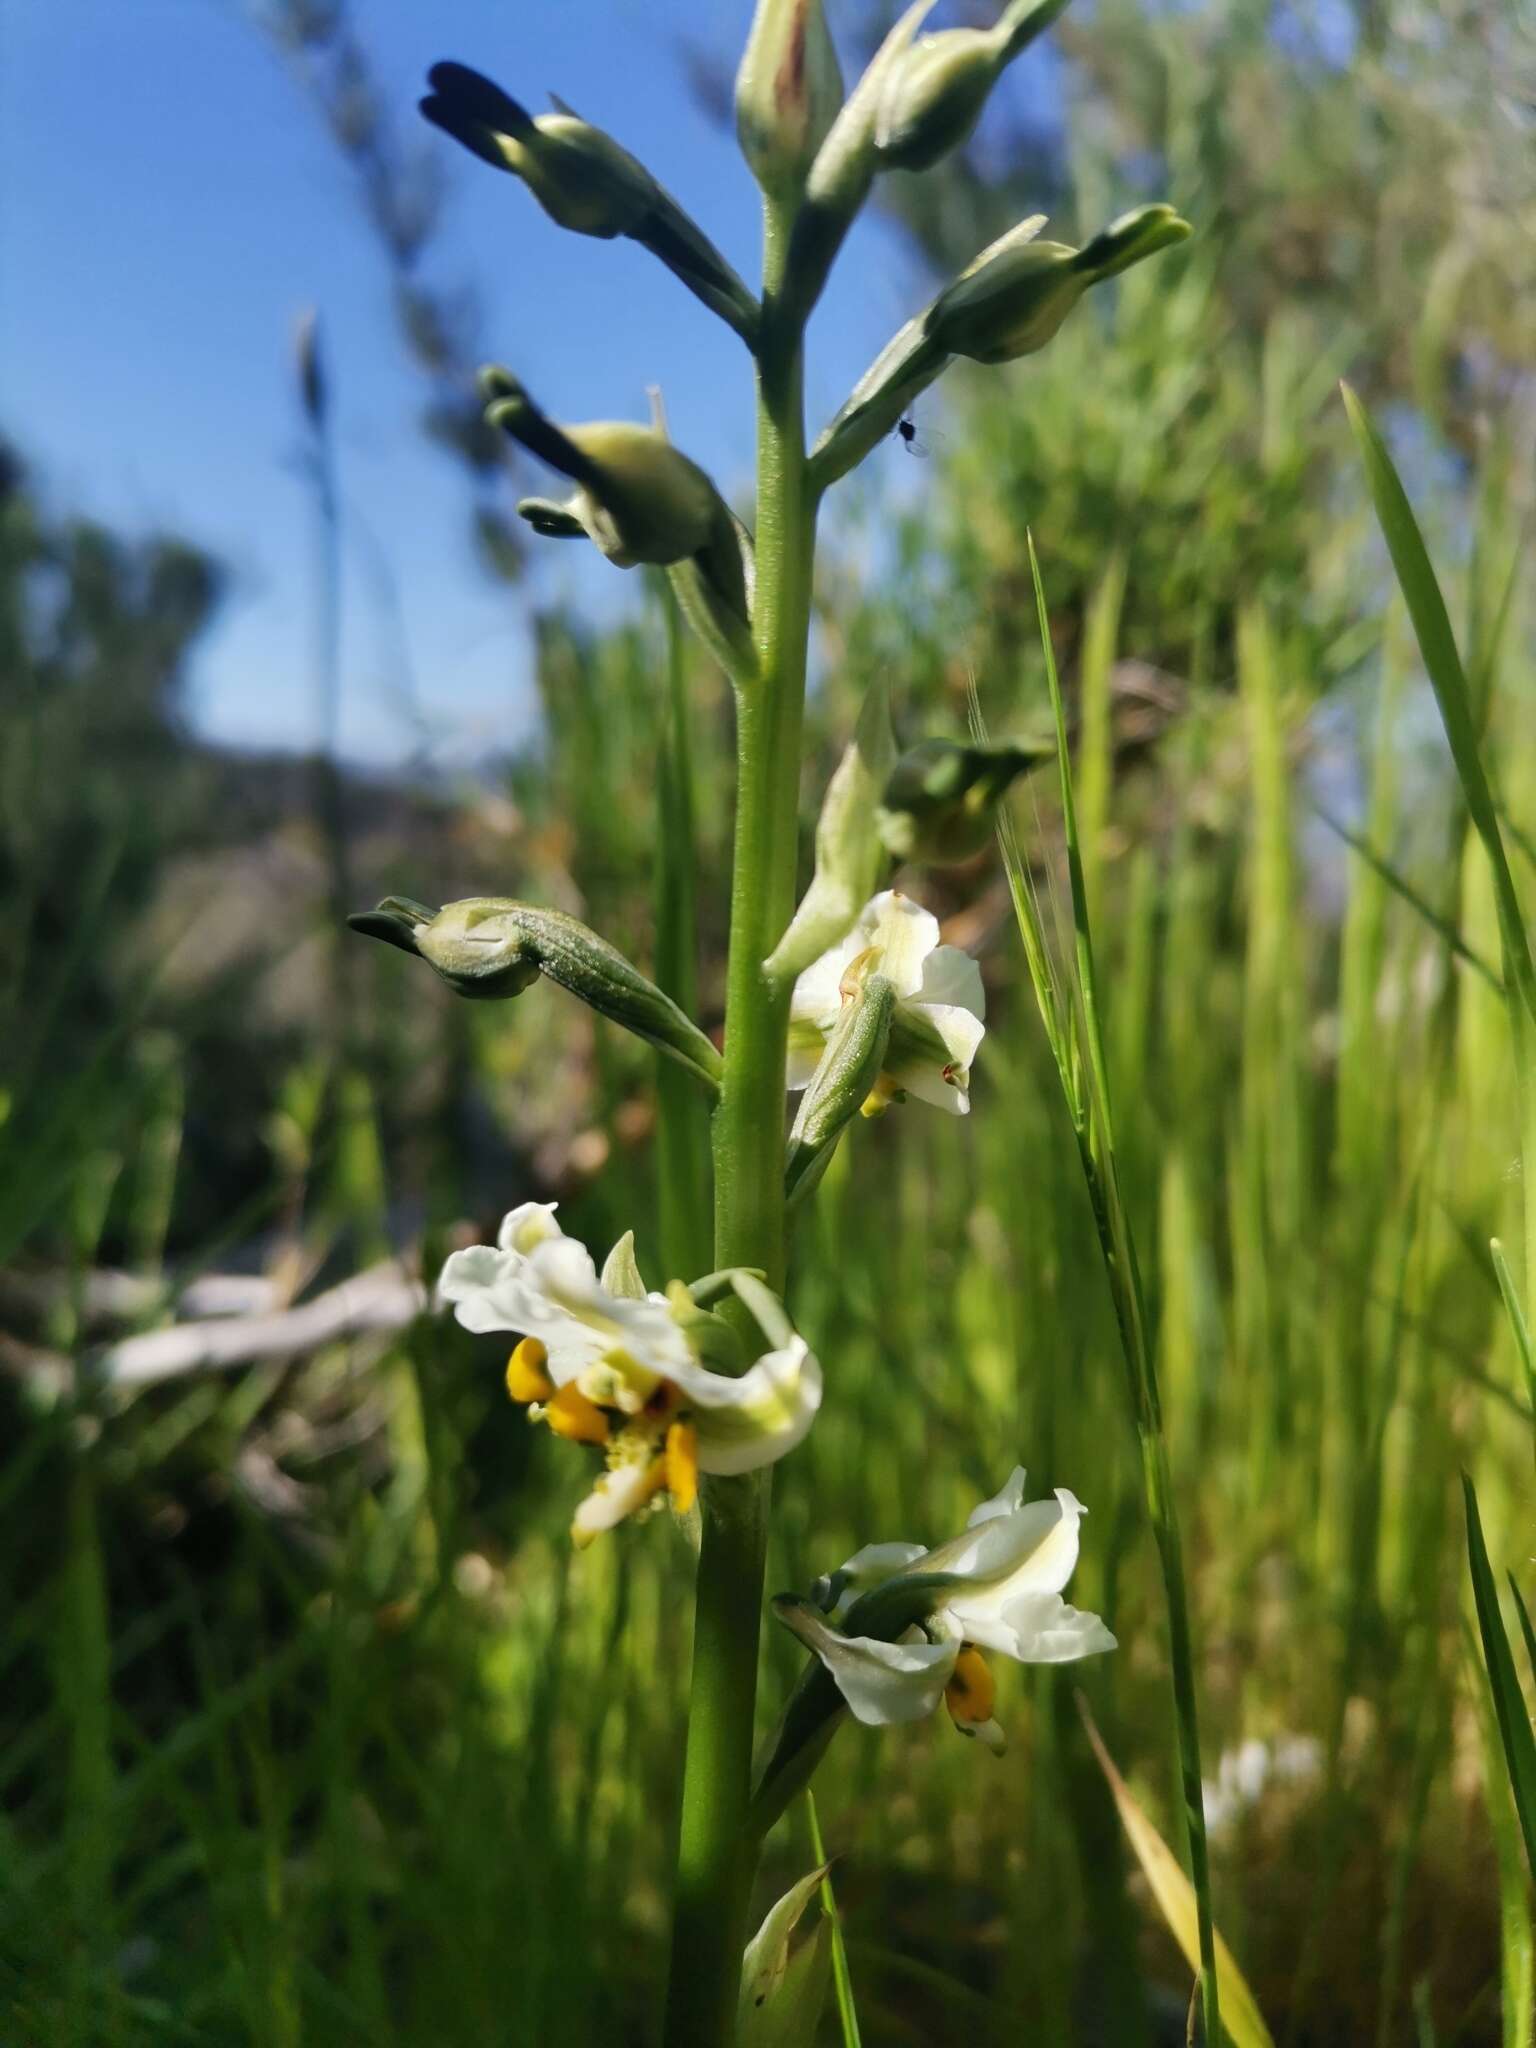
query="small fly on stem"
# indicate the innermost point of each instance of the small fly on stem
(911, 440)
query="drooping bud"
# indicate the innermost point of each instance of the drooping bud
(848, 855)
(1014, 297)
(491, 947)
(848, 1072)
(587, 182)
(940, 802)
(788, 91)
(934, 94)
(638, 498)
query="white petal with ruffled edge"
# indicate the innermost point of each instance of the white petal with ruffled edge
(883, 1683)
(756, 1418)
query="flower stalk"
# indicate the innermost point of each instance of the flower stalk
(716, 1849)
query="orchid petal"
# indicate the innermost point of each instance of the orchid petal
(883, 1683)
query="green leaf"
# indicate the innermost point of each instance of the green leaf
(1516, 1314)
(1437, 644)
(1175, 1895)
(783, 1990)
(1519, 1743)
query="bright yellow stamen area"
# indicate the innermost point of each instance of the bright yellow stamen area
(972, 1691)
(526, 1378)
(880, 1097)
(682, 1462)
(570, 1414)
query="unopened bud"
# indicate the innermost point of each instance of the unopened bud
(788, 91)
(1014, 297)
(940, 803)
(936, 91)
(492, 947)
(585, 181)
(639, 498)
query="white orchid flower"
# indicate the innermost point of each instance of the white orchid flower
(1007, 1569)
(940, 1004)
(603, 1362)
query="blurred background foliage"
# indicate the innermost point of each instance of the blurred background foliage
(313, 1729)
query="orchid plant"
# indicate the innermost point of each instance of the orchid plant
(688, 1395)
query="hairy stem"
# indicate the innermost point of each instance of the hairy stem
(716, 1850)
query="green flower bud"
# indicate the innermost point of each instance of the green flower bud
(936, 91)
(940, 802)
(492, 947)
(788, 91)
(843, 171)
(842, 1084)
(1012, 299)
(639, 498)
(587, 182)
(848, 855)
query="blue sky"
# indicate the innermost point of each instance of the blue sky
(168, 204)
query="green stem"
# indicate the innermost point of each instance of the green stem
(715, 1850)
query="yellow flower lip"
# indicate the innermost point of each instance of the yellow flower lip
(682, 1465)
(526, 1378)
(570, 1414)
(971, 1692)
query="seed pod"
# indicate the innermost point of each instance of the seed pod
(490, 947)
(788, 91)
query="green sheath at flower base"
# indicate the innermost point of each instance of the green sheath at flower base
(587, 182)
(940, 803)
(937, 89)
(844, 1080)
(1012, 299)
(640, 500)
(788, 91)
(490, 947)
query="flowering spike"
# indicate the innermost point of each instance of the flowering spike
(788, 91)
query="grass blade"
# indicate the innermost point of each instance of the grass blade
(1401, 886)
(1437, 643)
(1241, 2018)
(847, 2012)
(1515, 1735)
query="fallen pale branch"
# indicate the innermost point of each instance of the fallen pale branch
(381, 1299)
